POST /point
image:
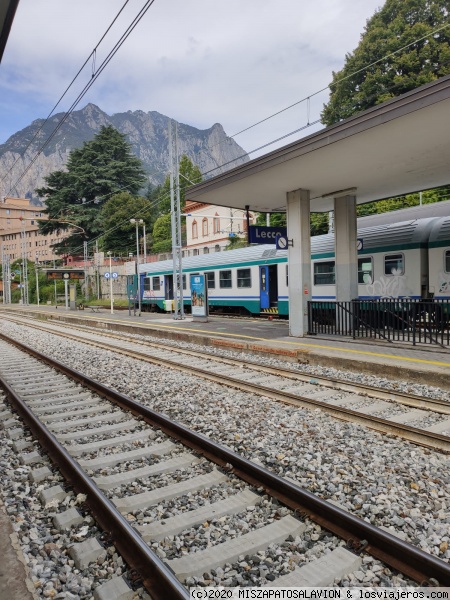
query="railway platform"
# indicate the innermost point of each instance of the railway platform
(424, 364)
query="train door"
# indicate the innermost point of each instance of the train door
(268, 288)
(168, 287)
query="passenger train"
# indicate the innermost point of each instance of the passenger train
(406, 258)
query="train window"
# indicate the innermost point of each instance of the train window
(365, 270)
(225, 279)
(211, 279)
(447, 261)
(156, 284)
(147, 284)
(287, 276)
(394, 264)
(244, 278)
(184, 282)
(324, 273)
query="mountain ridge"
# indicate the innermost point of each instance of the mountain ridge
(147, 133)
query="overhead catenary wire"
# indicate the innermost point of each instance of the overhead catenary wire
(103, 65)
(91, 55)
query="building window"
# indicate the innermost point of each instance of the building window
(244, 278)
(195, 252)
(205, 227)
(324, 273)
(394, 264)
(194, 229)
(225, 279)
(8, 211)
(365, 270)
(205, 250)
(216, 223)
(217, 248)
(156, 284)
(447, 261)
(211, 280)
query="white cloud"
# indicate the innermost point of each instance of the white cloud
(200, 62)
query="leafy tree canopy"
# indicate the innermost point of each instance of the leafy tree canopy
(366, 80)
(100, 168)
(162, 234)
(115, 215)
(189, 175)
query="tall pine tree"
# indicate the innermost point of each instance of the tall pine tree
(100, 168)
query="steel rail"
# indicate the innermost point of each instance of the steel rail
(360, 535)
(157, 578)
(435, 404)
(435, 441)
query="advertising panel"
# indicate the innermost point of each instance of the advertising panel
(198, 296)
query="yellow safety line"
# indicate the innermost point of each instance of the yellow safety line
(249, 337)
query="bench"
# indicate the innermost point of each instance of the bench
(95, 308)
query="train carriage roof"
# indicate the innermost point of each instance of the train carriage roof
(381, 230)
(440, 232)
(252, 254)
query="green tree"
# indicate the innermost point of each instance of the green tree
(120, 234)
(95, 171)
(189, 174)
(366, 80)
(162, 234)
(162, 231)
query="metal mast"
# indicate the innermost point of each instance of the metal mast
(6, 276)
(175, 212)
(24, 266)
(85, 261)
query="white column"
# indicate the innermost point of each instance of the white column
(345, 248)
(299, 257)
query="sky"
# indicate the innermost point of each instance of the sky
(201, 62)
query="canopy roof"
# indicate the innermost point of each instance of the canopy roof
(399, 147)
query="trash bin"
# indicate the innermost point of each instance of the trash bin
(168, 305)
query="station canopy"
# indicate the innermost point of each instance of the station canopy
(398, 147)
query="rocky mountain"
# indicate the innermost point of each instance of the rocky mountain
(25, 167)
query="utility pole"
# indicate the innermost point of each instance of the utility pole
(175, 212)
(86, 280)
(24, 266)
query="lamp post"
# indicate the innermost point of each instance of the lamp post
(110, 284)
(138, 222)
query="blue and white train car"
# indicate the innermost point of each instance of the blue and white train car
(439, 258)
(408, 259)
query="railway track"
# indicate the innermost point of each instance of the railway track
(127, 458)
(423, 421)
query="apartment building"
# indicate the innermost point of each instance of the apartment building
(19, 226)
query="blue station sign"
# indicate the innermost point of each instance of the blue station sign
(265, 235)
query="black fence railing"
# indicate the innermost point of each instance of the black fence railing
(414, 321)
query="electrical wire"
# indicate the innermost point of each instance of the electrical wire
(92, 54)
(106, 61)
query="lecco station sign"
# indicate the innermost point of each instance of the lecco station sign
(265, 235)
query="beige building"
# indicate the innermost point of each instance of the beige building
(19, 225)
(209, 228)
